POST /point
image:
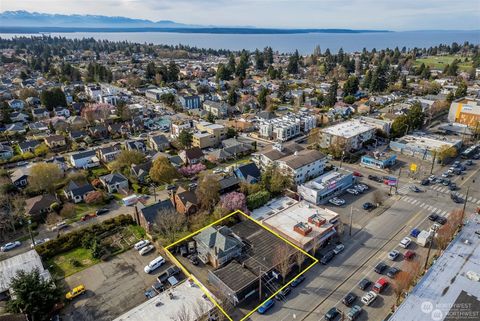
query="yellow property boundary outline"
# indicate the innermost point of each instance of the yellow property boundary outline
(207, 292)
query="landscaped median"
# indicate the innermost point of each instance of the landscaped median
(82, 248)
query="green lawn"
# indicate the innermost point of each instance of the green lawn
(63, 265)
(439, 62)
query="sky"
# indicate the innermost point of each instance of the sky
(394, 15)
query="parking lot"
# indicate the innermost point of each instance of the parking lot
(113, 287)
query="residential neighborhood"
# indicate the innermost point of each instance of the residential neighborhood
(156, 182)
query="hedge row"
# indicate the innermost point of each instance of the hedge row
(72, 240)
(257, 199)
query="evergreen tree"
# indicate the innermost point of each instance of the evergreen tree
(52, 98)
(293, 62)
(262, 98)
(350, 87)
(232, 97)
(331, 97)
(268, 54)
(259, 60)
(231, 65)
(367, 80)
(150, 71)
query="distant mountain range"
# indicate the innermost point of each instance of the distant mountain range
(33, 22)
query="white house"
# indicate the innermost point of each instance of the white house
(86, 159)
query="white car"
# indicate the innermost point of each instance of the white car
(369, 297)
(393, 255)
(339, 248)
(38, 242)
(364, 186)
(336, 201)
(10, 246)
(359, 188)
(154, 264)
(352, 191)
(146, 249)
(405, 242)
(140, 245)
(445, 175)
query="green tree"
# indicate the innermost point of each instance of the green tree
(168, 99)
(173, 71)
(52, 98)
(415, 116)
(41, 150)
(44, 177)
(268, 54)
(367, 80)
(331, 97)
(185, 138)
(259, 60)
(293, 62)
(232, 97)
(125, 159)
(223, 72)
(461, 90)
(262, 98)
(163, 171)
(350, 87)
(231, 132)
(34, 295)
(399, 126)
(349, 99)
(208, 191)
(445, 152)
(150, 71)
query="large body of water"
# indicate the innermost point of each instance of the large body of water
(305, 43)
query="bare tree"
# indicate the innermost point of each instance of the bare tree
(299, 258)
(401, 283)
(281, 260)
(413, 268)
(378, 197)
(182, 314)
(169, 223)
(444, 234)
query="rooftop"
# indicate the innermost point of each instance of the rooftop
(450, 283)
(429, 142)
(187, 297)
(349, 128)
(328, 179)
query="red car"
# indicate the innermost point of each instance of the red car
(86, 217)
(358, 174)
(409, 255)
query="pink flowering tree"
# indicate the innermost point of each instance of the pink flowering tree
(192, 170)
(234, 201)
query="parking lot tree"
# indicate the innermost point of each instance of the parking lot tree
(445, 152)
(52, 98)
(208, 191)
(35, 296)
(413, 268)
(185, 138)
(44, 177)
(162, 171)
(169, 224)
(400, 284)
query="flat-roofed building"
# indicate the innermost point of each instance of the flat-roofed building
(424, 146)
(465, 111)
(351, 135)
(324, 187)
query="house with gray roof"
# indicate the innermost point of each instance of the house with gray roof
(114, 183)
(217, 245)
(77, 192)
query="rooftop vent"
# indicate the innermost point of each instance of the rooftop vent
(317, 220)
(302, 228)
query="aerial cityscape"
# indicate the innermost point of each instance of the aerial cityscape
(252, 160)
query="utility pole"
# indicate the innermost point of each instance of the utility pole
(429, 249)
(433, 161)
(464, 206)
(154, 193)
(260, 285)
(351, 221)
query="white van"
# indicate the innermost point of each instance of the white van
(154, 264)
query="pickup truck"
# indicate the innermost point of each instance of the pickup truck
(171, 271)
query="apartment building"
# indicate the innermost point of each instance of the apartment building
(351, 135)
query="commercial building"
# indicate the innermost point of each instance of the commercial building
(424, 146)
(350, 135)
(383, 125)
(305, 225)
(378, 160)
(287, 127)
(450, 289)
(465, 111)
(185, 299)
(322, 188)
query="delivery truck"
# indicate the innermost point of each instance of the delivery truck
(423, 238)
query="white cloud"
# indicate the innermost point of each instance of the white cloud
(355, 14)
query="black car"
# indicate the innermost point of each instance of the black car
(158, 287)
(102, 211)
(425, 182)
(433, 217)
(283, 294)
(193, 259)
(441, 220)
(349, 299)
(380, 267)
(469, 162)
(327, 257)
(368, 206)
(392, 272)
(452, 186)
(374, 178)
(364, 283)
(297, 281)
(332, 314)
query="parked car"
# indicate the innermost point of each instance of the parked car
(266, 306)
(352, 191)
(457, 199)
(298, 280)
(433, 217)
(78, 290)
(336, 201)
(38, 242)
(392, 272)
(193, 259)
(392, 255)
(359, 188)
(432, 178)
(469, 162)
(405, 242)
(364, 283)
(87, 217)
(150, 293)
(102, 211)
(283, 293)
(441, 220)
(339, 248)
(10, 246)
(368, 206)
(327, 257)
(380, 285)
(158, 287)
(60, 226)
(349, 299)
(375, 178)
(154, 264)
(354, 312)
(141, 244)
(380, 267)
(364, 186)
(415, 232)
(331, 314)
(415, 189)
(147, 249)
(452, 187)
(358, 174)
(425, 182)
(369, 297)
(171, 271)
(409, 255)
